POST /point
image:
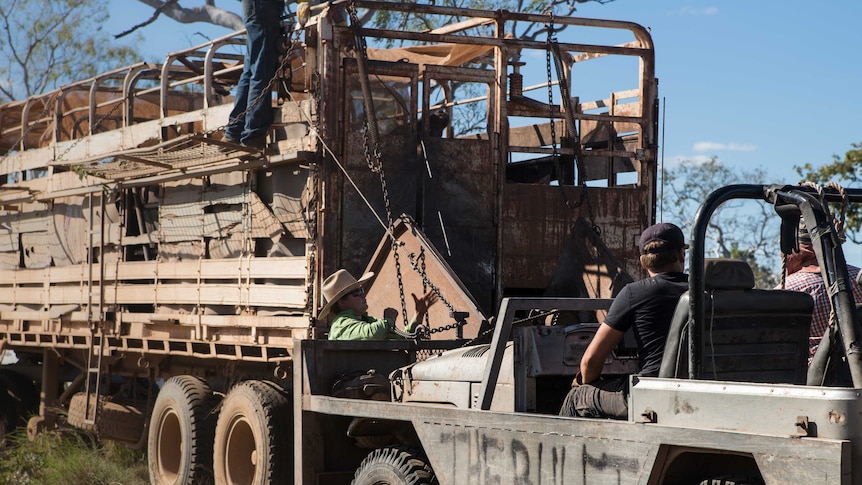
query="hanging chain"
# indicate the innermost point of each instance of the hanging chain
(309, 213)
(425, 280)
(373, 156)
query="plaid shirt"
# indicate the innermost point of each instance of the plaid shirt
(809, 280)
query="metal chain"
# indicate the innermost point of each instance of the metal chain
(424, 284)
(373, 156)
(310, 213)
(427, 281)
(376, 165)
(92, 129)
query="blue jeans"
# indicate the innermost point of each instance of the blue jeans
(263, 25)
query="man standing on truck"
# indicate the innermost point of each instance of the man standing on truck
(646, 306)
(803, 274)
(251, 116)
(345, 295)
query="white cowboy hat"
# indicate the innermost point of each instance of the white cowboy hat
(339, 284)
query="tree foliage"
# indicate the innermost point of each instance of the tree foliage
(746, 230)
(48, 43)
(846, 172)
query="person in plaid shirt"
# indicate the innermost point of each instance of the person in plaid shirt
(803, 274)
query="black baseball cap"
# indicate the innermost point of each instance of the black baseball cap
(666, 233)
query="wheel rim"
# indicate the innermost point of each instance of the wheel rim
(241, 455)
(170, 446)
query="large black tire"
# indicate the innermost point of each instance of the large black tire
(253, 439)
(394, 466)
(18, 400)
(179, 445)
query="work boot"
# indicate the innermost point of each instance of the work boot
(258, 143)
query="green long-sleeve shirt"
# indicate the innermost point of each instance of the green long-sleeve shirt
(347, 326)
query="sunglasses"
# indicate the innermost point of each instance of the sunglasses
(357, 292)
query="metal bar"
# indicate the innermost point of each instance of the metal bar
(503, 328)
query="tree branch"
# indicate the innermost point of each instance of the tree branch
(150, 20)
(207, 13)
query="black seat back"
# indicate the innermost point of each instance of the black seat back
(749, 335)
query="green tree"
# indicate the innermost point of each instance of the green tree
(845, 172)
(48, 43)
(743, 229)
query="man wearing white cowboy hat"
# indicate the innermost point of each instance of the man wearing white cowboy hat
(345, 295)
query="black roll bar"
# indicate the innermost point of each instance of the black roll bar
(830, 256)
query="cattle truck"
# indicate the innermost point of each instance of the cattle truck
(156, 279)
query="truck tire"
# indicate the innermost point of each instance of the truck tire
(253, 438)
(394, 466)
(179, 445)
(117, 421)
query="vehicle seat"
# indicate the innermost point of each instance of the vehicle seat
(749, 335)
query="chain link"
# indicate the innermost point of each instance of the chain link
(310, 213)
(426, 281)
(373, 156)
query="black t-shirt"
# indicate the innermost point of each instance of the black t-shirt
(648, 306)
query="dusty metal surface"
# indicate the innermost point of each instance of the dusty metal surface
(421, 266)
(536, 233)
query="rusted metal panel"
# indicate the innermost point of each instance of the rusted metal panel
(459, 211)
(420, 264)
(537, 223)
(361, 230)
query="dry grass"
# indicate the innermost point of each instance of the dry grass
(69, 459)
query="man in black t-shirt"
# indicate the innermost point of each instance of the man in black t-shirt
(647, 306)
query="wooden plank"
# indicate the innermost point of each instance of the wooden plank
(280, 296)
(189, 221)
(254, 296)
(290, 267)
(8, 242)
(36, 248)
(535, 135)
